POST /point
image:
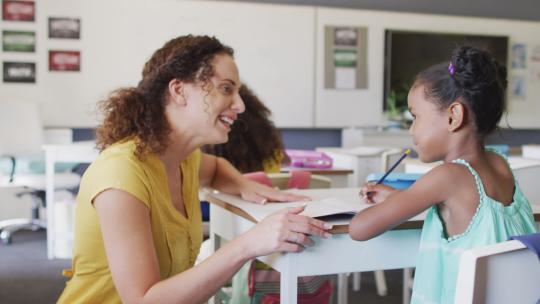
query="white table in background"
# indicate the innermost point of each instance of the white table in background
(394, 249)
(340, 178)
(362, 160)
(78, 152)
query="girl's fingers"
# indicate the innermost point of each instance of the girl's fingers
(366, 189)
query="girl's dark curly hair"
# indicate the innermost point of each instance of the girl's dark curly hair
(253, 138)
(474, 76)
(139, 112)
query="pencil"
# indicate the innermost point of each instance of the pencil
(407, 152)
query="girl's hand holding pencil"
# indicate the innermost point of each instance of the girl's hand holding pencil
(376, 193)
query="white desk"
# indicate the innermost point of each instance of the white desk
(340, 177)
(363, 160)
(340, 254)
(526, 172)
(82, 152)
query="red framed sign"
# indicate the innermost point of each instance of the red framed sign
(18, 10)
(65, 61)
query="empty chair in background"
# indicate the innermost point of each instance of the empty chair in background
(21, 140)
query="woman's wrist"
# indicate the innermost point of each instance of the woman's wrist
(242, 183)
(242, 248)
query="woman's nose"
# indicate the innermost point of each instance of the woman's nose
(238, 105)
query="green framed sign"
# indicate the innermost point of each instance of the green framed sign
(18, 41)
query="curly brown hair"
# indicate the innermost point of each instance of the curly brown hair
(253, 138)
(139, 112)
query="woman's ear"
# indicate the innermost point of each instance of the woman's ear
(176, 92)
(456, 116)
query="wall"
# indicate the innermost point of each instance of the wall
(68, 98)
(504, 9)
(364, 107)
(279, 50)
(274, 51)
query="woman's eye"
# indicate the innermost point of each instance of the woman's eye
(226, 89)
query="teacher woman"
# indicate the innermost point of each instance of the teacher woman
(138, 223)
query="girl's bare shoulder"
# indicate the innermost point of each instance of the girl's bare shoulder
(499, 164)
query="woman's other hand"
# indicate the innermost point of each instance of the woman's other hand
(260, 194)
(284, 231)
(376, 193)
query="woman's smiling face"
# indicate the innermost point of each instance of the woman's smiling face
(213, 106)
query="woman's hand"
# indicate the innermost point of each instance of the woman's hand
(376, 193)
(260, 194)
(284, 231)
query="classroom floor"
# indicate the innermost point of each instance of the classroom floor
(26, 276)
(368, 294)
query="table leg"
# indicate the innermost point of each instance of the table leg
(407, 285)
(343, 288)
(356, 280)
(288, 285)
(49, 198)
(215, 241)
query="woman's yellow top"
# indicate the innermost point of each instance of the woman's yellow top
(177, 239)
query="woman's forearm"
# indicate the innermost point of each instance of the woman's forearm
(226, 177)
(199, 283)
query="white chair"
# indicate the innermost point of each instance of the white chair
(21, 136)
(506, 272)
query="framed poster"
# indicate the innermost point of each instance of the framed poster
(65, 61)
(18, 10)
(65, 28)
(518, 86)
(18, 41)
(519, 56)
(22, 72)
(345, 59)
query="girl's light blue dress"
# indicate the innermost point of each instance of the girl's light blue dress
(438, 258)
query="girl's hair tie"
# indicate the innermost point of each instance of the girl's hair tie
(451, 69)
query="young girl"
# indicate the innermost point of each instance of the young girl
(473, 198)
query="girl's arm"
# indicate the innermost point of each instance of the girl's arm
(219, 174)
(434, 187)
(127, 234)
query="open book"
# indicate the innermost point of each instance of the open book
(323, 203)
